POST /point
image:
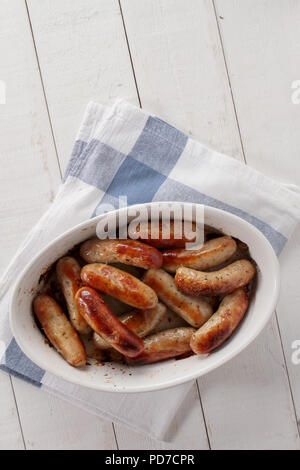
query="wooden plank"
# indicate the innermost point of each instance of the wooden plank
(269, 122)
(181, 76)
(28, 181)
(50, 423)
(262, 83)
(29, 170)
(10, 431)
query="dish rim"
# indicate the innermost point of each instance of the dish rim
(190, 375)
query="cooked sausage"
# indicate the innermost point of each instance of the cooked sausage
(68, 275)
(221, 325)
(141, 322)
(130, 252)
(212, 253)
(160, 239)
(104, 322)
(194, 311)
(119, 284)
(224, 281)
(164, 345)
(59, 330)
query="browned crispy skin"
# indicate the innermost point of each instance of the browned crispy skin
(212, 253)
(130, 252)
(221, 324)
(141, 322)
(194, 311)
(119, 284)
(164, 345)
(144, 234)
(104, 322)
(224, 281)
(68, 275)
(59, 330)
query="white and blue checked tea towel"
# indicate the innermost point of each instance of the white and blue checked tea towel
(123, 151)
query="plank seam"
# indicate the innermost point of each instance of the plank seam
(203, 414)
(229, 82)
(18, 414)
(129, 52)
(115, 435)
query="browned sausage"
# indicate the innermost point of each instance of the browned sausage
(221, 325)
(162, 240)
(194, 311)
(130, 252)
(101, 319)
(68, 275)
(224, 281)
(59, 330)
(141, 322)
(119, 284)
(164, 345)
(212, 253)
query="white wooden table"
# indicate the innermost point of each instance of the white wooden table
(222, 71)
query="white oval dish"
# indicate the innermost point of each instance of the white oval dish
(121, 378)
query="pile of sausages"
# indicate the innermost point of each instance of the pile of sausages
(212, 302)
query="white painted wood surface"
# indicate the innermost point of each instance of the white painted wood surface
(83, 55)
(10, 430)
(221, 71)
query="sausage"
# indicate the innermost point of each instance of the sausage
(158, 240)
(104, 322)
(141, 322)
(68, 275)
(221, 325)
(59, 330)
(212, 253)
(194, 311)
(224, 281)
(130, 252)
(119, 284)
(164, 345)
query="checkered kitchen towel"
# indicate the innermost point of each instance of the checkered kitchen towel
(124, 151)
